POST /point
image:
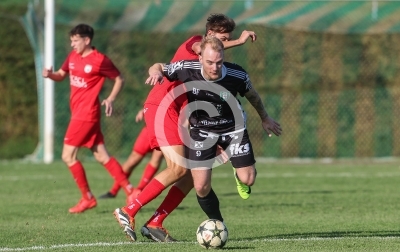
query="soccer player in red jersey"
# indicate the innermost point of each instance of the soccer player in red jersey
(140, 148)
(171, 144)
(88, 69)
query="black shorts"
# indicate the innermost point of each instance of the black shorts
(203, 147)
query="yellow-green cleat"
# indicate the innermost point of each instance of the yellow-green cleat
(243, 190)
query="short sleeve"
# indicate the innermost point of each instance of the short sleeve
(190, 43)
(65, 65)
(172, 70)
(247, 85)
(108, 69)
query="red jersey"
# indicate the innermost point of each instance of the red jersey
(159, 91)
(87, 75)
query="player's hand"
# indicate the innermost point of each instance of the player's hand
(47, 72)
(270, 125)
(222, 157)
(246, 35)
(109, 106)
(139, 115)
(155, 78)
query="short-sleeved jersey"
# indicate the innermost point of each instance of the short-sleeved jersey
(221, 93)
(159, 92)
(87, 75)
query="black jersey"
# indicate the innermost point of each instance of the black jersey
(214, 104)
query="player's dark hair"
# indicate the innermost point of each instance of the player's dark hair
(220, 23)
(83, 30)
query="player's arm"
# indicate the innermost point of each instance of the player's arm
(246, 35)
(172, 71)
(108, 102)
(268, 123)
(156, 74)
(55, 76)
(139, 115)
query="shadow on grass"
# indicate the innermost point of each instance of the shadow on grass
(264, 193)
(322, 235)
(236, 248)
(143, 210)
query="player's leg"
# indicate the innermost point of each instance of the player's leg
(150, 170)
(127, 167)
(77, 135)
(87, 200)
(201, 155)
(242, 159)
(247, 174)
(139, 150)
(153, 229)
(173, 150)
(112, 166)
(174, 171)
(206, 196)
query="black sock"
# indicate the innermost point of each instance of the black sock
(210, 205)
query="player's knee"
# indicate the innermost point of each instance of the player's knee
(202, 189)
(178, 171)
(247, 178)
(102, 159)
(67, 159)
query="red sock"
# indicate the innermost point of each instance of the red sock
(115, 188)
(150, 192)
(148, 174)
(79, 175)
(172, 201)
(115, 169)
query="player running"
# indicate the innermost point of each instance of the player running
(212, 82)
(171, 145)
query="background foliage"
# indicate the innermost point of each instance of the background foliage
(336, 95)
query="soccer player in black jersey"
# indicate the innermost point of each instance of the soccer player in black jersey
(216, 116)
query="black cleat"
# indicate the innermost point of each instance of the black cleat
(107, 195)
(158, 234)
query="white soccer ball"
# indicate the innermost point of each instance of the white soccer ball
(212, 234)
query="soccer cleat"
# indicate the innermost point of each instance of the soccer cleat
(107, 195)
(126, 222)
(243, 190)
(158, 234)
(83, 205)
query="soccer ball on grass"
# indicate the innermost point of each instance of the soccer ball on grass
(212, 234)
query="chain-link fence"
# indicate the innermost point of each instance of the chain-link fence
(335, 95)
(325, 69)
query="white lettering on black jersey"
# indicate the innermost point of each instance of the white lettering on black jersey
(174, 66)
(234, 81)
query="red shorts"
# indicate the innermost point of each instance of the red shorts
(163, 128)
(83, 134)
(142, 143)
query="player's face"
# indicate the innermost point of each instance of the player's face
(79, 44)
(221, 36)
(211, 62)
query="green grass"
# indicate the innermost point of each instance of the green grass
(293, 207)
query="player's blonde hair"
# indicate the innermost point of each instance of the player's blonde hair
(215, 44)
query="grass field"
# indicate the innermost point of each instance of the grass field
(294, 207)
